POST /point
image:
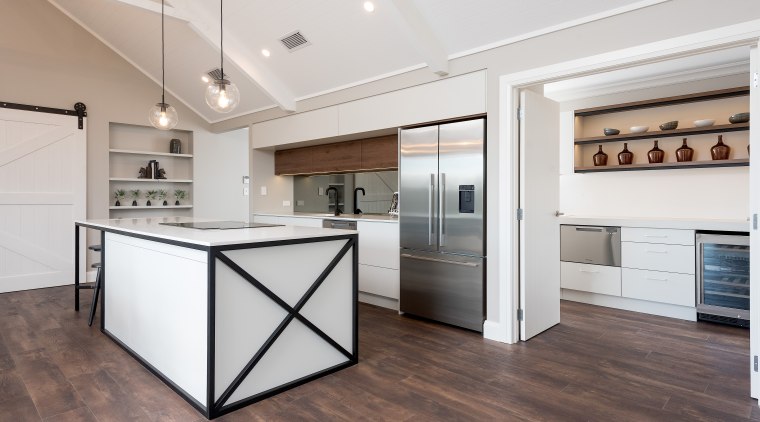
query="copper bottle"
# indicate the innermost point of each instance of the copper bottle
(625, 156)
(656, 155)
(720, 150)
(685, 153)
(600, 158)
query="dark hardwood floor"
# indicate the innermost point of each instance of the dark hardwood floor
(599, 364)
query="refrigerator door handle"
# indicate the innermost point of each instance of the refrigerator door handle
(445, 261)
(431, 205)
(442, 211)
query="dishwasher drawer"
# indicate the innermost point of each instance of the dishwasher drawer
(598, 245)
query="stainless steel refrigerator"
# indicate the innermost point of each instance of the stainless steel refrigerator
(442, 222)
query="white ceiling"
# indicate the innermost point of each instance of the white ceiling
(348, 45)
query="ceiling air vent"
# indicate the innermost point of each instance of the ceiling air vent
(216, 74)
(294, 41)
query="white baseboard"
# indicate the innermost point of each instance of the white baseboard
(382, 301)
(635, 305)
(495, 331)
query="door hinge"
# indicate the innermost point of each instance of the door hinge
(754, 221)
(521, 317)
(754, 79)
(755, 363)
(520, 214)
(520, 113)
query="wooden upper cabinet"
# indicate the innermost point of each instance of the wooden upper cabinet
(293, 161)
(380, 153)
(337, 157)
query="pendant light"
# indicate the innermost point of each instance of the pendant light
(221, 94)
(163, 116)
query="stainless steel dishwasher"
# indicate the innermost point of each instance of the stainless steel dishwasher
(339, 224)
(599, 245)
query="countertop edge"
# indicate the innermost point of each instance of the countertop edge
(368, 218)
(660, 223)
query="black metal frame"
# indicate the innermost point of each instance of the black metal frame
(219, 407)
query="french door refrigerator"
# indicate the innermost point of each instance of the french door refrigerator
(442, 224)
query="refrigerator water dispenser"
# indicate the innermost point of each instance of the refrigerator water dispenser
(466, 199)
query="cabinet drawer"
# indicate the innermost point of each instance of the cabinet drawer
(658, 257)
(666, 236)
(590, 278)
(678, 289)
(379, 244)
(379, 281)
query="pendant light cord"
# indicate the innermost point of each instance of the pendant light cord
(163, 65)
(221, 35)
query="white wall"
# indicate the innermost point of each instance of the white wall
(710, 193)
(218, 177)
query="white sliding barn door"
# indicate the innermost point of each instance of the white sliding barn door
(539, 227)
(43, 177)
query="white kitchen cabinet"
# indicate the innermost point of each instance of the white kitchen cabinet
(379, 244)
(665, 236)
(658, 257)
(658, 286)
(600, 279)
(378, 281)
(315, 124)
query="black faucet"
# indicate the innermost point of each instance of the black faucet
(356, 203)
(333, 188)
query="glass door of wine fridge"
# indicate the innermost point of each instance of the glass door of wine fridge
(723, 278)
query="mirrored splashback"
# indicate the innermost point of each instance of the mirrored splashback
(310, 193)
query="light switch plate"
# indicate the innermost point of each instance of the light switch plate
(263, 191)
(245, 191)
(320, 191)
(300, 203)
(285, 203)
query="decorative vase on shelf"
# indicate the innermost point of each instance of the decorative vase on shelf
(720, 150)
(656, 155)
(625, 156)
(175, 146)
(685, 153)
(600, 158)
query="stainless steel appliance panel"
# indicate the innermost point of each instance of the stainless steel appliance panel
(723, 278)
(339, 224)
(461, 187)
(443, 287)
(418, 188)
(599, 245)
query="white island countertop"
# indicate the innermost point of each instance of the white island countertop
(381, 218)
(659, 223)
(150, 227)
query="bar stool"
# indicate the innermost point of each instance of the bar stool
(91, 286)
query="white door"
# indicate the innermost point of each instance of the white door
(754, 234)
(42, 191)
(539, 200)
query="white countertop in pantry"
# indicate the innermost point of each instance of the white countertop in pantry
(660, 223)
(325, 216)
(150, 227)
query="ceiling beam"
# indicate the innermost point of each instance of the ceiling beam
(422, 36)
(238, 53)
(155, 7)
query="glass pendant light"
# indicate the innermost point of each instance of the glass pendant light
(221, 94)
(163, 116)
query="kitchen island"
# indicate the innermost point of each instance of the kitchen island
(230, 317)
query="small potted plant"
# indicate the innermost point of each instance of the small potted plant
(119, 195)
(151, 194)
(135, 194)
(179, 194)
(162, 196)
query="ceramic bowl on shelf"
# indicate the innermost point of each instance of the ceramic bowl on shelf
(610, 131)
(704, 122)
(739, 118)
(669, 125)
(639, 129)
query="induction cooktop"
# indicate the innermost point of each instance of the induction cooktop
(220, 225)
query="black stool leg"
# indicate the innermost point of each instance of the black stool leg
(95, 295)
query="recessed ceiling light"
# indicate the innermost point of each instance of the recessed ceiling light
(205, 79)
(369, 6)
(266, 53)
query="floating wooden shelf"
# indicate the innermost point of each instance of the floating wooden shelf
(664, 133)
(660, 102)
(161, 154)
(134, 179)
(665, 166)
(145, 207)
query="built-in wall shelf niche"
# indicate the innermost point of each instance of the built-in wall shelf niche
(131, 147)
(718, 105)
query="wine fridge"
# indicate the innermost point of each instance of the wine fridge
(723, 278)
